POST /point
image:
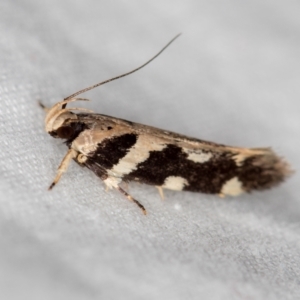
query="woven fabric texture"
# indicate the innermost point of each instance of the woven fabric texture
(232, 77)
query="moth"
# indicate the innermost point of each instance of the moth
(119, 151)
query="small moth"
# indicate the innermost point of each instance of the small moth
(119, 151)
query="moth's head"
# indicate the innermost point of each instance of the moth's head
(59, 119)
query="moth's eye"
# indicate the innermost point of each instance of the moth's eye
(64, 132)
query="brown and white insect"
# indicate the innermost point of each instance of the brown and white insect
(119, 151)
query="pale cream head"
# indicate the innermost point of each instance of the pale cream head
(58, 114)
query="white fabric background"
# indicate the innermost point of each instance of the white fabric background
(232, 77)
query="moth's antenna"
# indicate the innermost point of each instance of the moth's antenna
(125, 74)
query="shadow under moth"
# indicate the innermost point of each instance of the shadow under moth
(119, 151)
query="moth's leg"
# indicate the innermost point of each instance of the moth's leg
(130, 198)
(161, 192)
(63, 166)
(81, 159)
(112, 182)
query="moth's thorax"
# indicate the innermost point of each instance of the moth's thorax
(89, 140)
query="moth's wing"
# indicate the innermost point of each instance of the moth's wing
(201, 166)
(186, 142)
